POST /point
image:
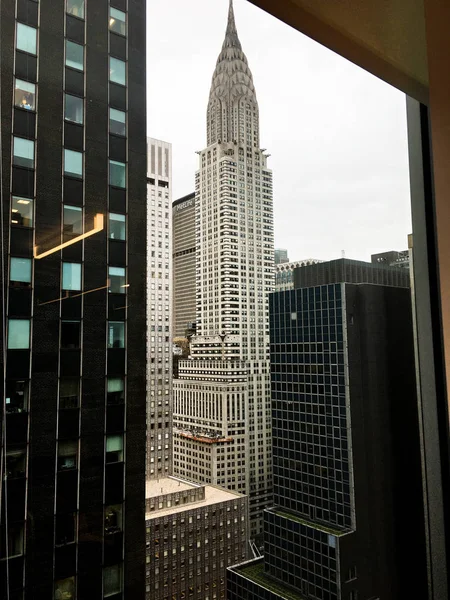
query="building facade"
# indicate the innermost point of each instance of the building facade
(183, 236)
(392, 258)
(346, 450)
(159, 308)
(194, 532)
(221, 396)
(72, 440)
(281, 256)
(284, 272)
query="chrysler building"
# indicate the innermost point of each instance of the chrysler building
(222, 395)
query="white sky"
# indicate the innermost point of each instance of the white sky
(336, 135)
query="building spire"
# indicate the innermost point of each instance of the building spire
(231, 35)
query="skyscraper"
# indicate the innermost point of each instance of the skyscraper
(346, 451)
(222, 408)
(183, 236)
(73, 105)
(281, 256)
(159, 300)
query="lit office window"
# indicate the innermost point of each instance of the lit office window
(72, 220)
(114, 448)
(117, 122)
(117, 71)
(115, 390)
(24, 94)
(71, 276)
(22, 211)
(117, 226)
(73, 109)
(117, 21)
(73, 163)
(116, 334)
(117, 174)
(112, 580)
(20, 270)
(18, 334)
(74, 56)
(23, 153)
(26, 38)
(117, 280)
(75, 8)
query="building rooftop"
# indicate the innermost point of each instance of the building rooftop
(254, 570)
(169, 485)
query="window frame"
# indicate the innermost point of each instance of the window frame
(30, 268)
(124, 221)
(113, 170)
(73, 96)
(24, 27)
(71, 289)
(19, 89)
(23, 333)
(74, 64)
(71, 153)
(117, 62)
(114, 20)
(25, 201)
(26, 141)
(83, 3)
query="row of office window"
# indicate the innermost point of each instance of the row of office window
(19, 331)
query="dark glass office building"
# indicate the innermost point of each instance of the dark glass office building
(347, 521)
(73, 189)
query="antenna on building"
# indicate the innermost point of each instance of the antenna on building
(342, 253)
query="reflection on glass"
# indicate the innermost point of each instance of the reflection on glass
(74, 56)
(117, 21)
(117, 226)
(70, 334)
(16, 461)
(22, 211)
(117, 280)
(26, 38)
(67, 455)
(23, 154)
(65, 589)
(73, 163)
(18, 334)
(117, 122)
(73, 109)
(114, 448)
(14, 540)
(117, 173)
(65, 529)
(115, 390)
(112, 580)
(16, 398)
(69, 392)
(75, 8)
(117, 71)
(25, 94)
(113, 519)
(116, 334)
(20, 270)
(72, 221)
(71, 276)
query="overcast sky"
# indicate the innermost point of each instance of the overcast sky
(336, 135)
